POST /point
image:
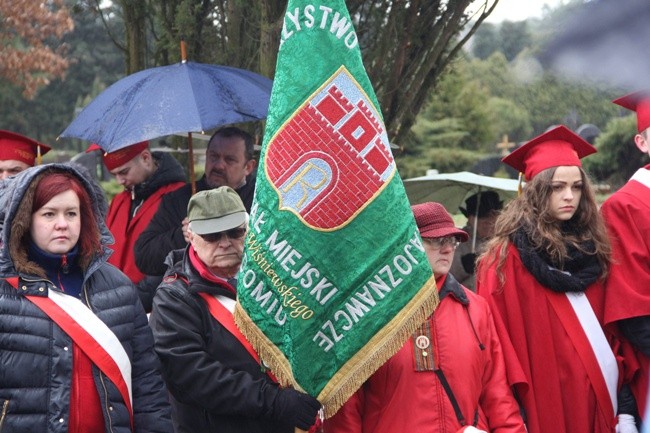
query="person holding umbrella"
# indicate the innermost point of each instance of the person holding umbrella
(76, 352)
(450, 375)
(229, 162)
(18, 153)
(481, 210)
(542, 274)
(146, 177)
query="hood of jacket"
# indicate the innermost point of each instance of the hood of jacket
(13, 226)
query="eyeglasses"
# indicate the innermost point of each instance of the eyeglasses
(236, 233)
(438, 243)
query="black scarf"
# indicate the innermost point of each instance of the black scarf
(580, 269)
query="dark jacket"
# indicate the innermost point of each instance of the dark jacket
(129, 214)
(164, 233)
(216, 384)
(36, 363)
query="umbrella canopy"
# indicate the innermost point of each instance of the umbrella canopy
(180, 98)
(451, 189)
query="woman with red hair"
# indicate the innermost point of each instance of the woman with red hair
(76, 353)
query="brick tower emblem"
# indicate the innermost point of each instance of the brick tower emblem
(332, 157)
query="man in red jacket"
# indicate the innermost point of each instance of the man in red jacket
(146, 177)
(450, 375)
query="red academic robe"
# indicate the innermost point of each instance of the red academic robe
(126, 232)
(627, 215)
(544, 364)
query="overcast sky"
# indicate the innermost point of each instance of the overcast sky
(519, 10)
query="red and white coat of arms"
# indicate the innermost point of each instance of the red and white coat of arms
(332, 157)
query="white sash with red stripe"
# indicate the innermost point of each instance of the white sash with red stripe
(100, 332)
(226, 302)
(642, 176)
(222, 308)
(583, 329)
(91, 335)
(598, 341)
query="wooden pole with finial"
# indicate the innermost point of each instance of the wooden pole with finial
(190, 148)
(191, 160)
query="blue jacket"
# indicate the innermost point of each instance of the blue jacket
(35, 357)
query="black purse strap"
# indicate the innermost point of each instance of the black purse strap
(452, 399)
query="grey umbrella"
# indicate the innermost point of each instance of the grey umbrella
(451, 189)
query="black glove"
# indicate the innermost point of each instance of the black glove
(469, 262)
(295, 408)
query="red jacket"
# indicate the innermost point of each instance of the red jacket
(126, 232)
(402, 396)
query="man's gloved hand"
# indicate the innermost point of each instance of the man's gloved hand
(469, 262)
(295, 408)
(626, 424)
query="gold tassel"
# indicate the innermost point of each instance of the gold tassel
(520, 185)
(381, 347)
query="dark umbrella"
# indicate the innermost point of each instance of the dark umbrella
(180, 98)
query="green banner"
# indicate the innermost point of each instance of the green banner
(334, 277)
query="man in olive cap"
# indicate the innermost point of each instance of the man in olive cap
(214, 375)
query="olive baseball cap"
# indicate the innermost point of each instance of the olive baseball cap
(215, 210)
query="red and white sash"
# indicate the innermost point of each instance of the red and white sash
(576, 314)
(642, 176)
(91, 335)
(221, 308)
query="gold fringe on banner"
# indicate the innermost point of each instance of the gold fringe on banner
(383, 345)
(268, 352)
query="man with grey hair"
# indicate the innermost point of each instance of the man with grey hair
(216, 379)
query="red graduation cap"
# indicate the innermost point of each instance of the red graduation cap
(639, 102)
(557, 147)
(121, 156)
(14, 146)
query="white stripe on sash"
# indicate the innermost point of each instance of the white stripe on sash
(642, 176)
(226, 302)
(98, 330)
(598, 342)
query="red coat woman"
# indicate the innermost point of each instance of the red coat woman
(451, 372)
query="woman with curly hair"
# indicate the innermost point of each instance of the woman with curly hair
(542, 275)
